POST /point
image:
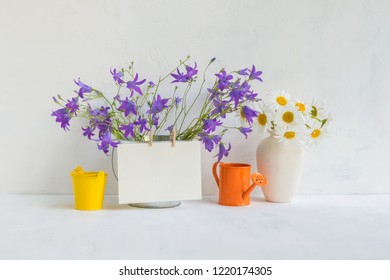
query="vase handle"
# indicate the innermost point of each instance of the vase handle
(215, 173)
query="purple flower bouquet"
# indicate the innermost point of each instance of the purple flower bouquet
(137, 107)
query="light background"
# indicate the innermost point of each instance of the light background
(334, 50)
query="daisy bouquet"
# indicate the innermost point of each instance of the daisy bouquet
(291, 120)
(137, 107)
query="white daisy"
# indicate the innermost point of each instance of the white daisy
(301, 106)
(315, 134)
(290, 135)
(316, 109)
(263, 120)
(277, 99)
(289, 116)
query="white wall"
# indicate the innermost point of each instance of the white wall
(335, 50)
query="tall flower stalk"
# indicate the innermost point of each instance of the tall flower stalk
(137, 107)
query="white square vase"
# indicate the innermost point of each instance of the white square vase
(159, 172)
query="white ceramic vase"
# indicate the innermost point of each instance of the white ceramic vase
(281, 164)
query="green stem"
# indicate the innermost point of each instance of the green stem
(183, 105)
(199, 93)
(162, 123)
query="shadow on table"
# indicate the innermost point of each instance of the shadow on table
(106, 207)
(214, 199)
(62, 205)
(116, 206)
(108, 204)
(258, 199)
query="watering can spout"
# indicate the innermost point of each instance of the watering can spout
(258, 180)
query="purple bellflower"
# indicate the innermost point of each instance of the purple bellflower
(237, 95)
(248, 114)
(220, 107)
(245, 87)
(128, 107)
(224, 80)
(72, 105)
(216, 139)
(63, 117)
(169, 128)
(223, 152)
(83, 88)
(106, 141)
(210, 125)
(178, 100)
(155, 119)
(251, 95)
(243, 72)
(134, 85)
(208, 143)
(182, 78)
(142, 124)
(103, 127)
(100, 119)
(88, 132)
(214, 93)
(191, 71)
(255, 75)
(128, 129)
(245, 131)
(100, 112)
(238, 92)
(117, 76)
(158, 105)
(179, 77)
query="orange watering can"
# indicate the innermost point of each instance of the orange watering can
(234, 183)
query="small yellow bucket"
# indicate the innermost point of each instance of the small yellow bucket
(88, 189)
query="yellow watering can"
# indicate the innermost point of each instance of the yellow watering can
(88, 189)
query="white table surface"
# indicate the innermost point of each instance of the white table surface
(310, 227)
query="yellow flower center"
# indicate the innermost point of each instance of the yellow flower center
(316, 133)
(301, 107)
(289, 135)
(262, 119)
(288, 117)
(281, 100)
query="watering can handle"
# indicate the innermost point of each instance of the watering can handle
(215, 173)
